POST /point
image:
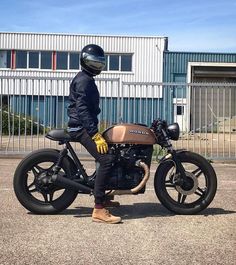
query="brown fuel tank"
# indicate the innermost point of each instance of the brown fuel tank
(129, 134)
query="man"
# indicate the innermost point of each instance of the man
(83, 125)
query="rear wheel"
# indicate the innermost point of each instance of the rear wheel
(189, 196)
(33, 186)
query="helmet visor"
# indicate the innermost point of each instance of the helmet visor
(94, 62)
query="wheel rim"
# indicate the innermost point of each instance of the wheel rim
(38, 185)
(189, 186)
(191, 192)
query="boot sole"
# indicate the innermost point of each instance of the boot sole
(107, 222)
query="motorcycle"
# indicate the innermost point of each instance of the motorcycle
(47, 181)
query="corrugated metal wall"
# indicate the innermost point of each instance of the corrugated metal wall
(147, 52)
(47, 97)
(51, 112)
(175, 69)
(176, 63)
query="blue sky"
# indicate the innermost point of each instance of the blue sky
(202, 25)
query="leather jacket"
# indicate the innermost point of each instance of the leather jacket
(84, 103)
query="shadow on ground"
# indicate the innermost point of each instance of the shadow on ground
(141, 210)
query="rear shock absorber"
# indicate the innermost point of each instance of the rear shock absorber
(57, 166)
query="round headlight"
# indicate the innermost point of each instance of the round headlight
(173, 131)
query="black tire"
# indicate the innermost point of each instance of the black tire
(201, 184)
(34, 198)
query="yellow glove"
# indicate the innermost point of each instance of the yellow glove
(101, 143)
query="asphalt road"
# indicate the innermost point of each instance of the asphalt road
(149, 234)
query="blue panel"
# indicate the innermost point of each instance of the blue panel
(177, 62)
(51, 112)
(179, 91)
(142, 110)
(109, 111)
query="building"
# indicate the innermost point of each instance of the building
(201, 105)
(136, 59)
(142, 79)
(41, 66)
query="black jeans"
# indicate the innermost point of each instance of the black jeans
(105, 162)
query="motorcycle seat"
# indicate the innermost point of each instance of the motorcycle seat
(59, 135)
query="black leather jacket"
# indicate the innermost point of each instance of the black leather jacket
(84, 103)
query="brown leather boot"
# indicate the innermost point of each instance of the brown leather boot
(103, 216)
(109, 204)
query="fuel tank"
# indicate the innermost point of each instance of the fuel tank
(126, 133)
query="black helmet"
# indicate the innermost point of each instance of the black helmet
(92, 59)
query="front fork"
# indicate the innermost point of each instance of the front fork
(180, 175)
(172, 154)
(179, 168)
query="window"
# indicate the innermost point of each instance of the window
(126, 63)
(46, 60)
(62, 60)
(114, 63)
(74, 60)
(106, 66)
(21, 59)
(33, 60)
(8, 59)
(180, 110)
(118, 62)
(5, 59)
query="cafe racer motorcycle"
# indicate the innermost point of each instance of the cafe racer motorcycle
(47, 181)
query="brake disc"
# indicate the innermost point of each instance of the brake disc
(189, 186)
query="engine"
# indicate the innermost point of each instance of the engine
(125, 172)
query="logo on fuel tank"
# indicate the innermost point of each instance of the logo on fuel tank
(138, 132)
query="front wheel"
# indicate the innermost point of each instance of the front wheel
(191, 195)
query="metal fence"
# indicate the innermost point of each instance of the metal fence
(206, 113)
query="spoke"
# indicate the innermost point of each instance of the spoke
(197, 172)
(181, 198)
(31, 185)
(40, 169)
(200, 192)
(48, 197)
(169, 184)
(33, 190)
(34, 172)
(51, 196)
(51, 167)
(173, 171)
(45, 196)
(37, 169)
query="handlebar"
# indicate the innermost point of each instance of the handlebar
(159, 125)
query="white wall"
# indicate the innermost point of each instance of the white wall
(147, 53)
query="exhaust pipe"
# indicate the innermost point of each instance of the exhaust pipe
(70, 184)
(135, 190)
(146, 169)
